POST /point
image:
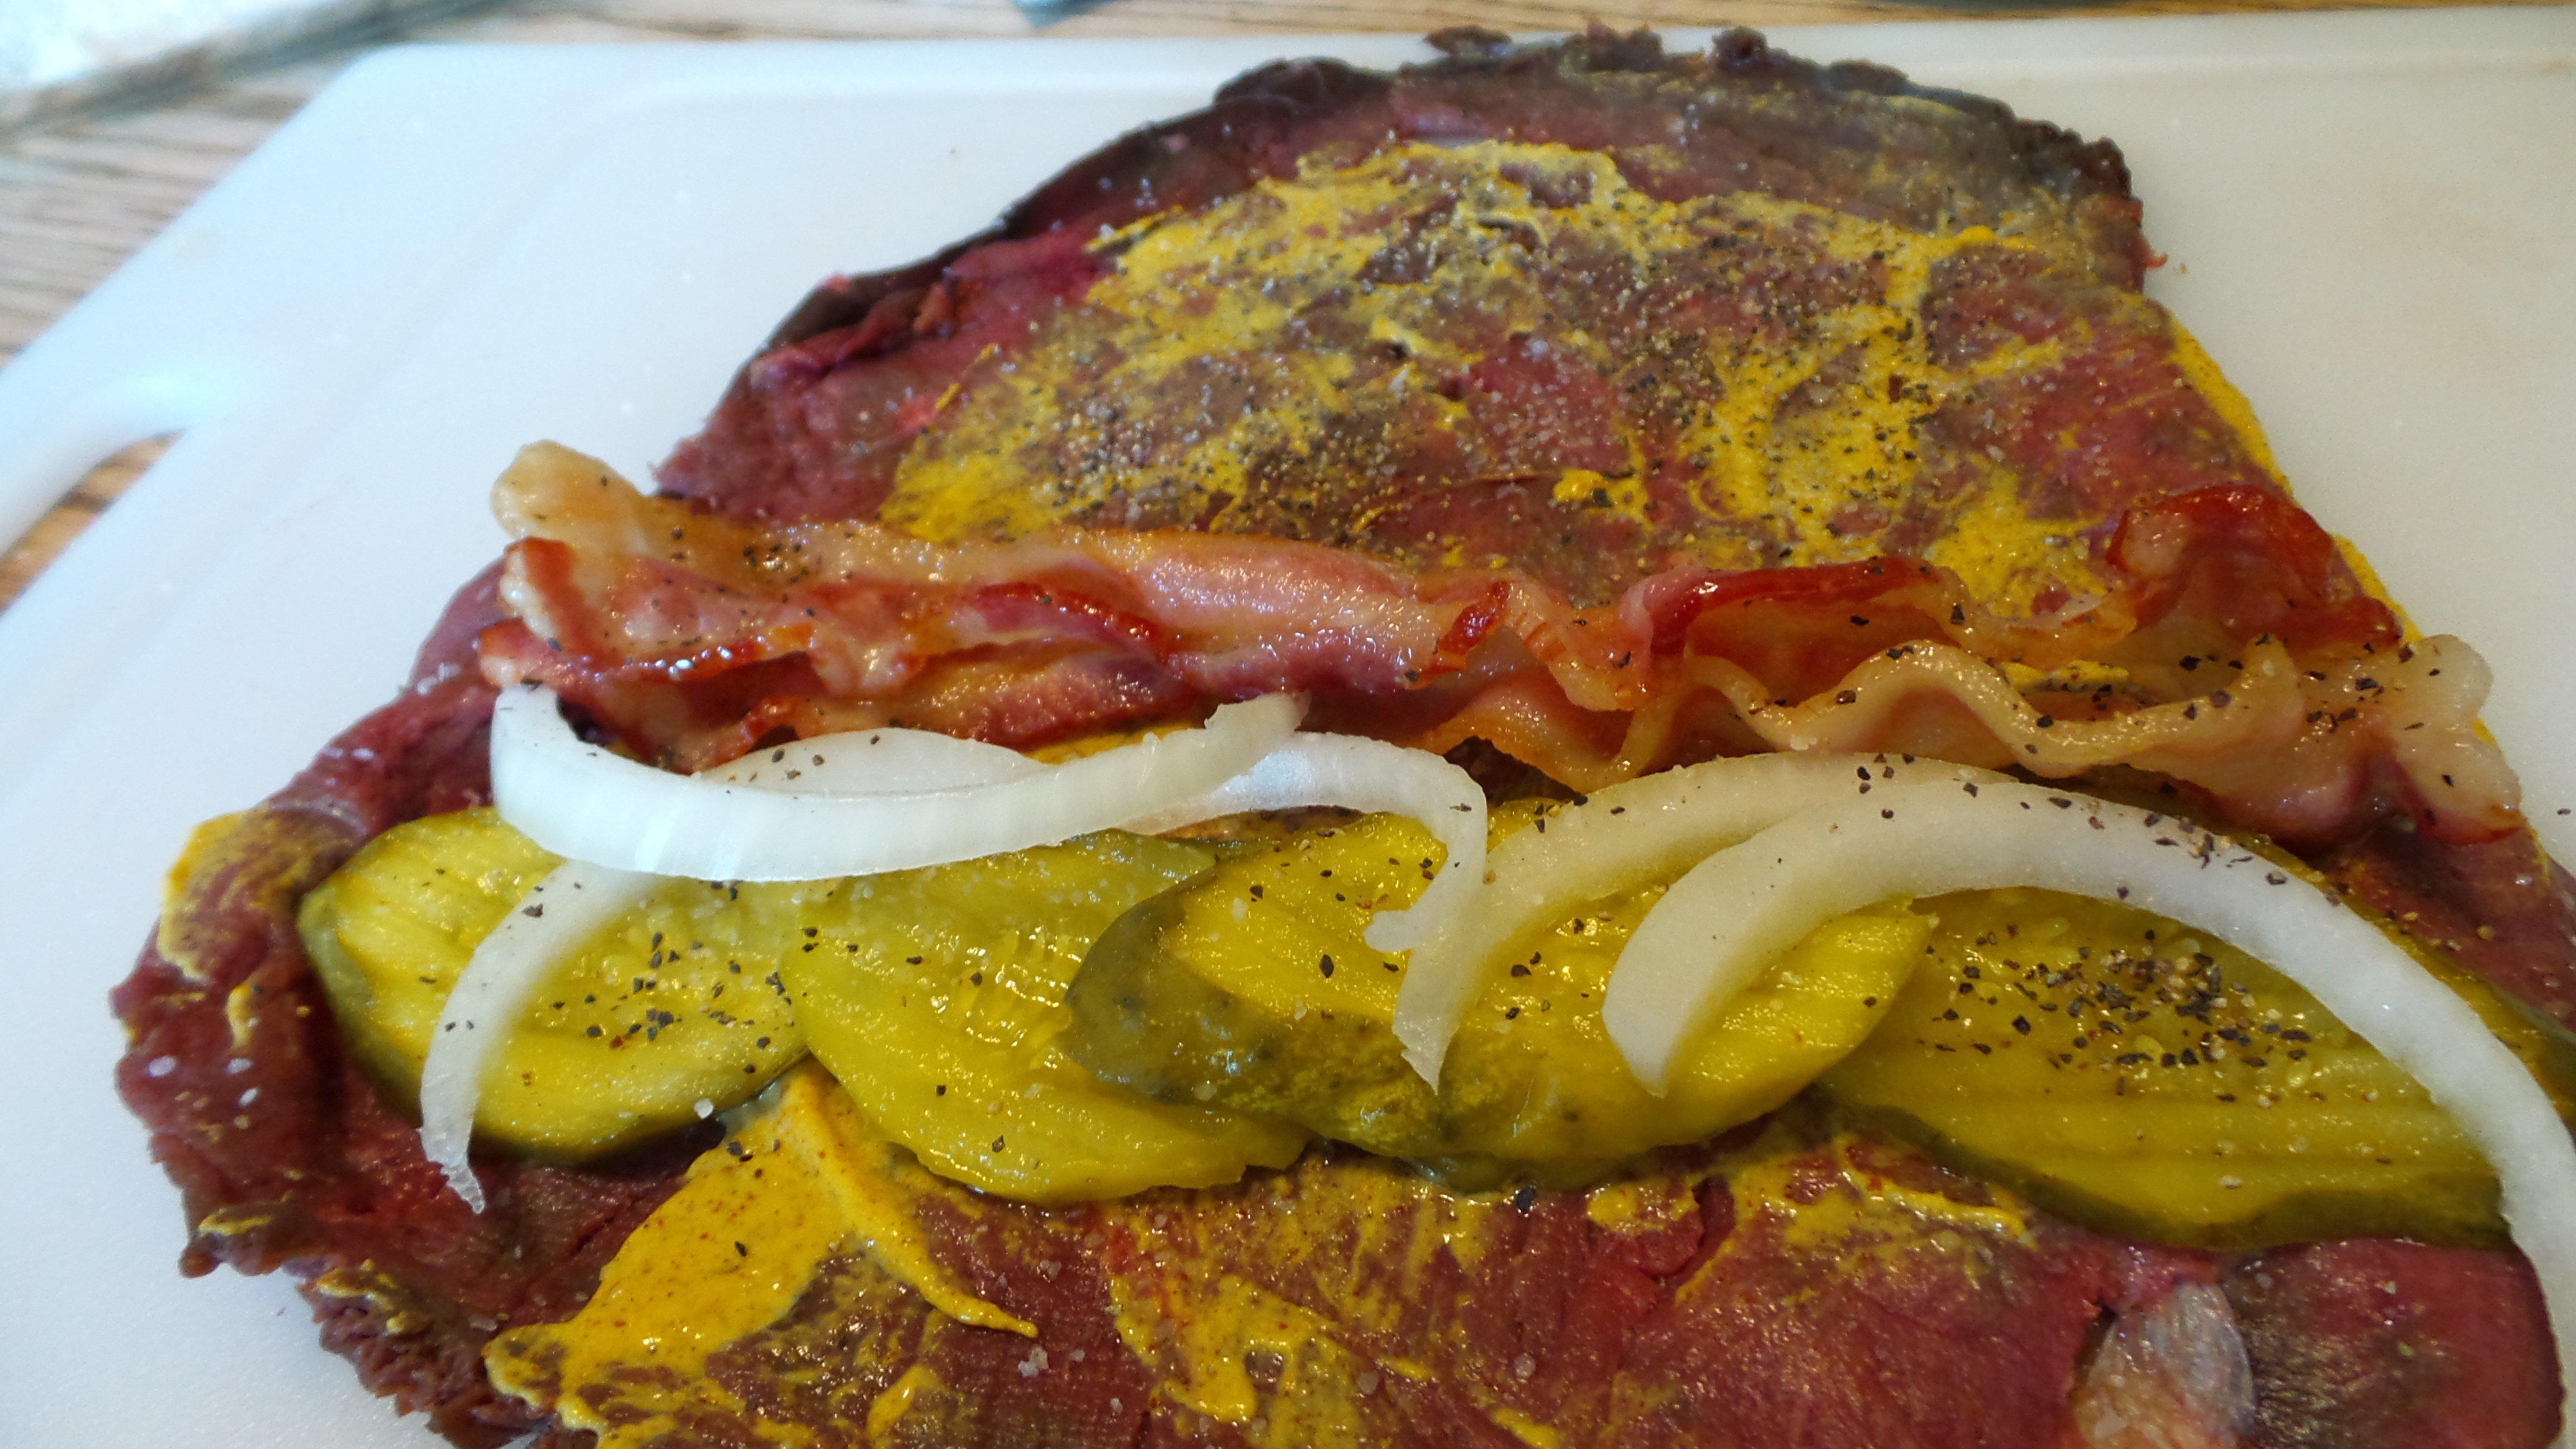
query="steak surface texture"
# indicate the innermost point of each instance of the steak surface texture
(1669, 272)
(1974, 275)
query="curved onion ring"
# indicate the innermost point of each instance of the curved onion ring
(1734, 912)
(860, 762)
(1609, 841)
(580, 897)
(584, 803)
(554, 918)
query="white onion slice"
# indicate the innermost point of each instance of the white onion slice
(579, 898)
(868, 762)
(1737, 910)
(556, 916)
(1372, 777)
(1615, 837)
(584, 803)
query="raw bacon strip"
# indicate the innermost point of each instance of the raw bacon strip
(693, 638)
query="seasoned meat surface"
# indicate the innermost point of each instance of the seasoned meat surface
(1599, 308)
(1587, 308)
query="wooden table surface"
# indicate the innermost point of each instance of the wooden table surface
(79, 196)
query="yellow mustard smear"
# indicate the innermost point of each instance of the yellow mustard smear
(1226, 1349)
(1202, 1326)
(896, 1399)
(2201, 371)
(800, 1180)
(803, 1180)
(1216, 370)
(253, 862)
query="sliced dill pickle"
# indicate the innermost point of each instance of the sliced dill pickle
(1251, 987)
(2133, 1075)
(938, 998)
(672, 1011)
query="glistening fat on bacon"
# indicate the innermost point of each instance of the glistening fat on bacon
(694, 637)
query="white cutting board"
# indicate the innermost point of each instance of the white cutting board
(455, 250)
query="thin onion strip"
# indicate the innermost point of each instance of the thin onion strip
(509, 966)
(556, 916)
(1609, 841)
(584, 803)
(1737, 910)
(563, 911)
(861, 762)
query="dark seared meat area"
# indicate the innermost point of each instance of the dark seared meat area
(2394, 1343)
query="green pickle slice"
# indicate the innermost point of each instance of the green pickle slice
(1120, 1012)
(2130, 1074)
(1251, 987)
(938, 998)
(935, 996)
(674, 1005)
